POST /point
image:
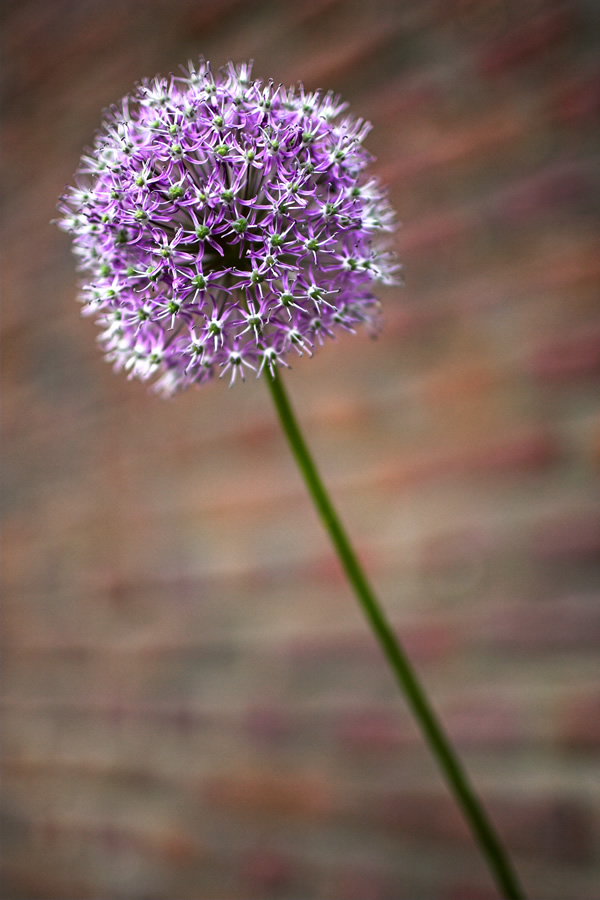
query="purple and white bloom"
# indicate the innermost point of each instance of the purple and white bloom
(221, 222)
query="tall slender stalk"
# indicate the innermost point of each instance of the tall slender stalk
(439, 744)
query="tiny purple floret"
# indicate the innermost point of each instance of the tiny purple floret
(221, 222)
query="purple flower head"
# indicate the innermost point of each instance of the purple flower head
(221, 222)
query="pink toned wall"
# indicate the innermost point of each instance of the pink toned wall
(191, 704)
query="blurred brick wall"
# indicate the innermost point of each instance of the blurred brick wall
(192, 706)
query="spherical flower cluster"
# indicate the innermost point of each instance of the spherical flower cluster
(221, 222)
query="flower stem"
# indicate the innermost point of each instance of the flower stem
(443, 751)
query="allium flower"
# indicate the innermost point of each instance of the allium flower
(221, 222)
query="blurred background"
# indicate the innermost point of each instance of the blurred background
(192, 705)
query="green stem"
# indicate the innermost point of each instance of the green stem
(456, 777)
